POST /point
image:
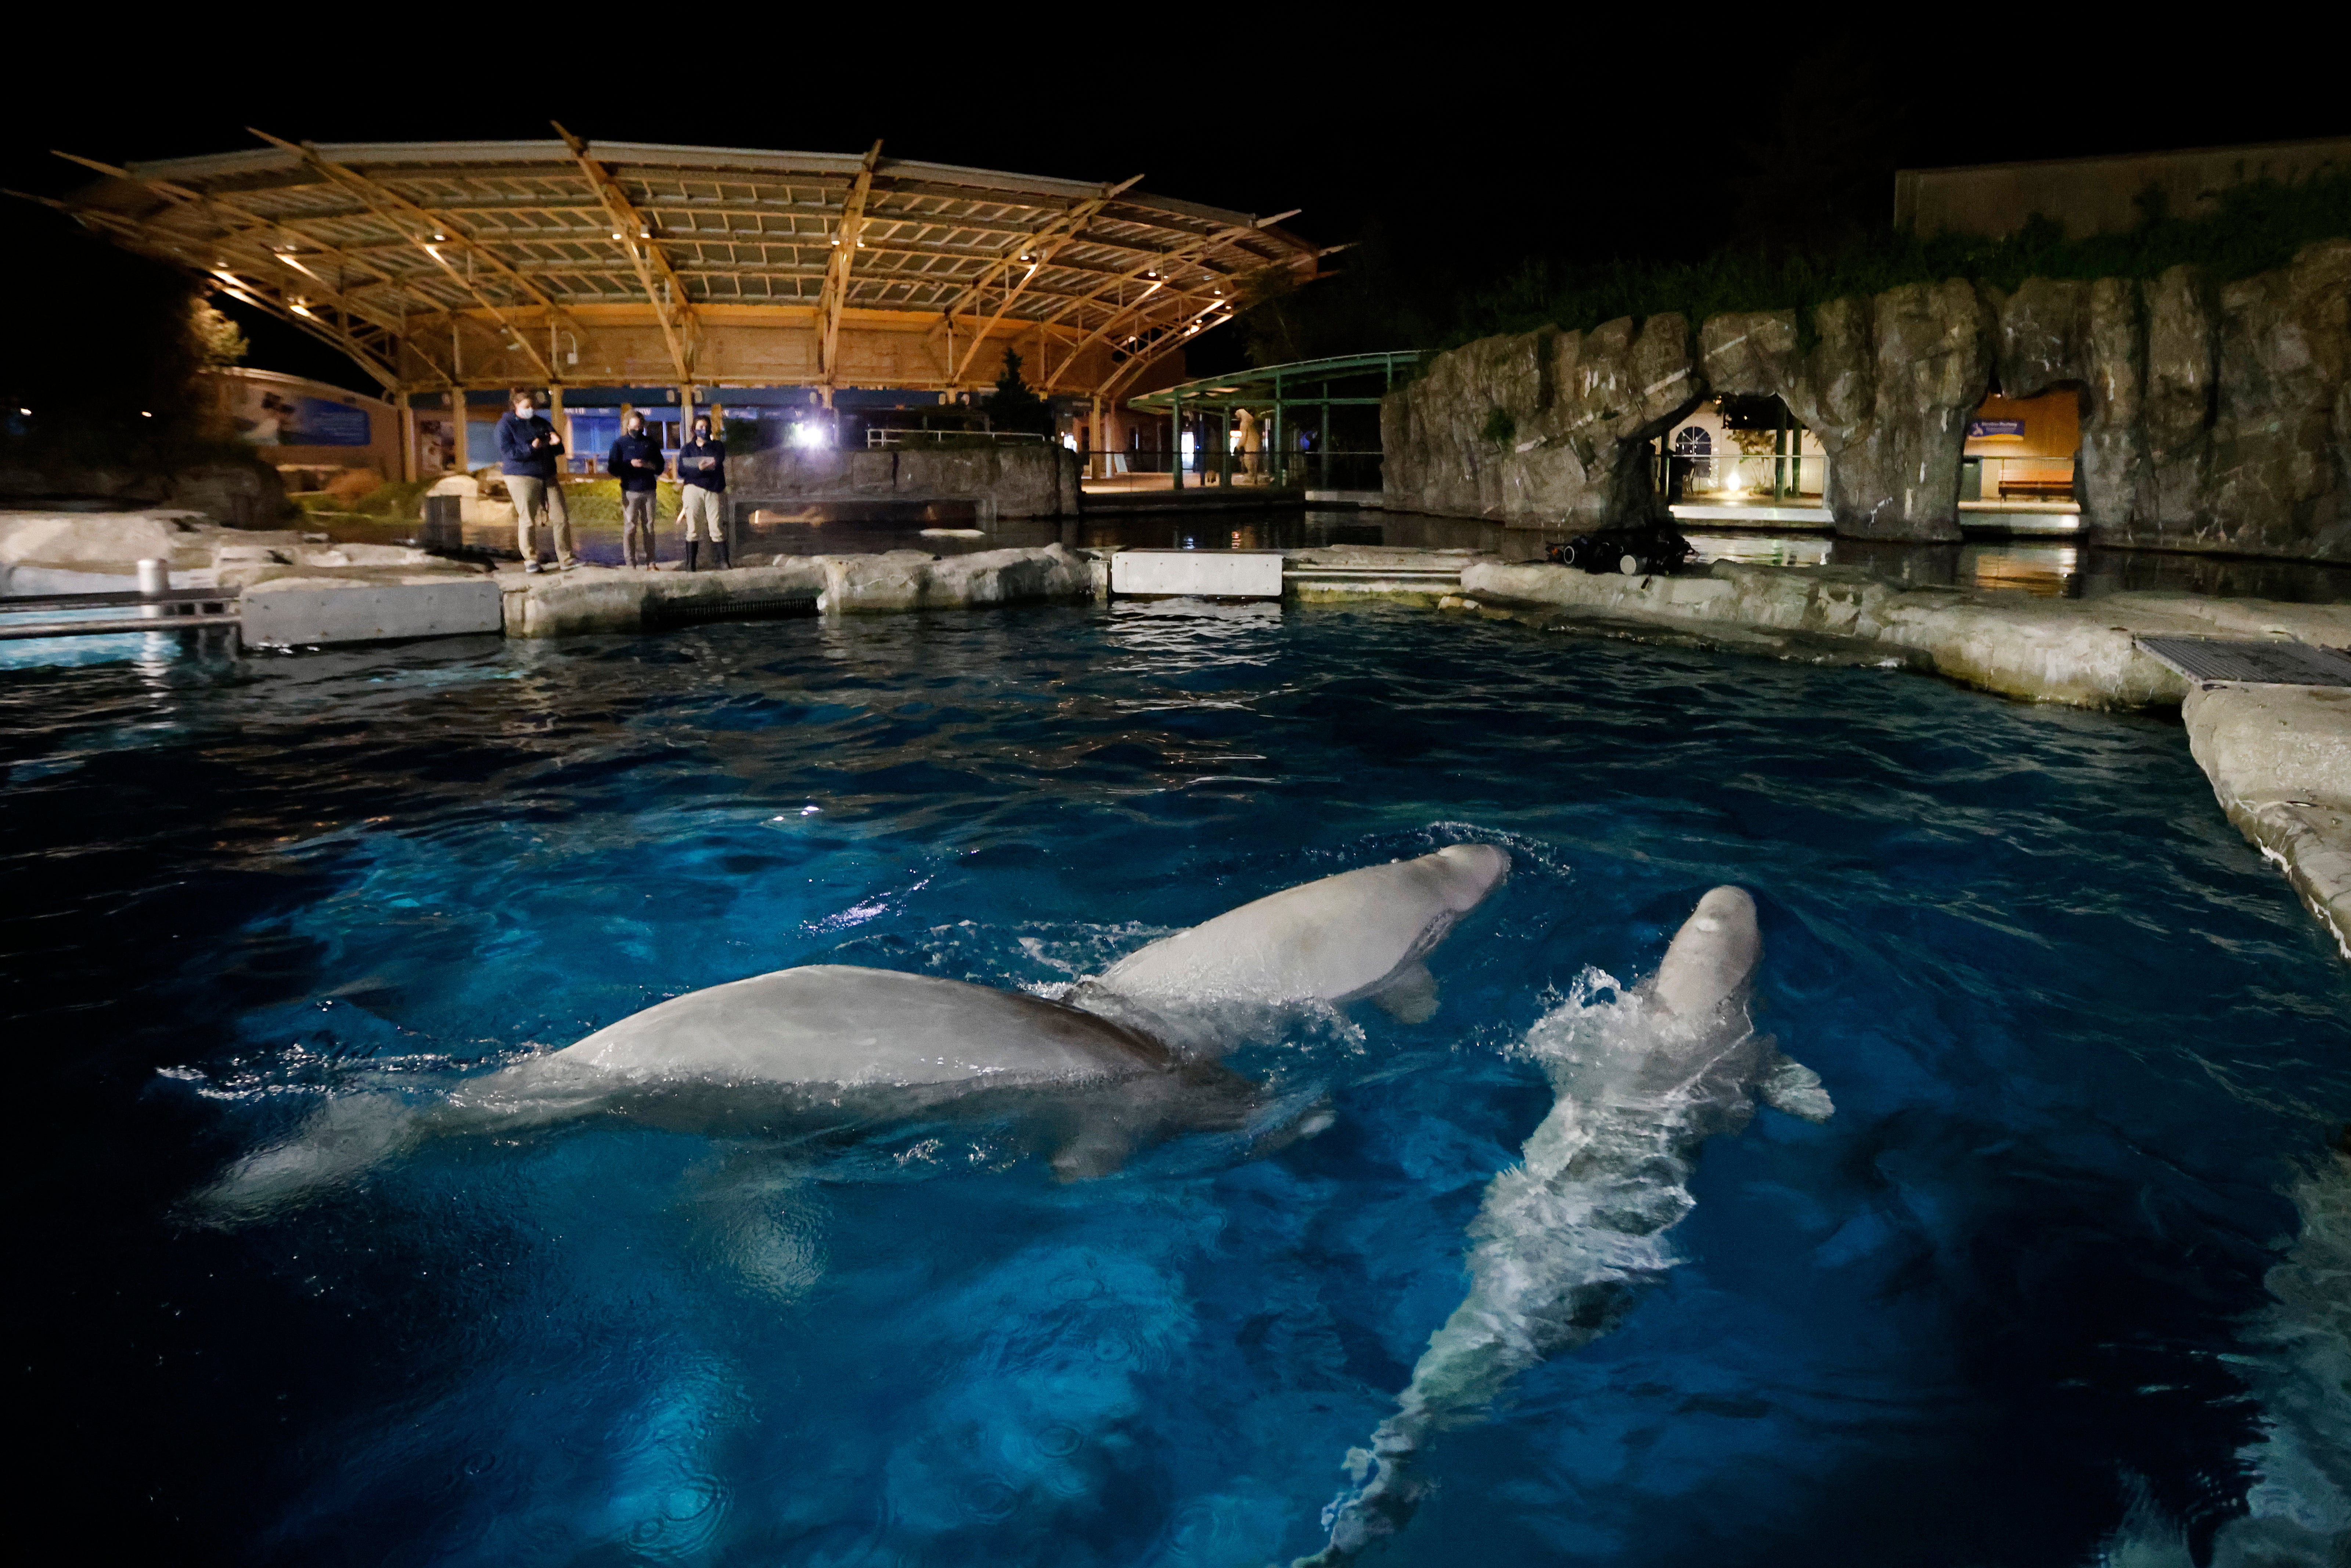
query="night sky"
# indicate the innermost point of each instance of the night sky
(1571, 140)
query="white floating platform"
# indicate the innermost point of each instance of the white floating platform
(301, 613)
(1198, 573)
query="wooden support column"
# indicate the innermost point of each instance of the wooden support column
(1098, 463)
(562, 425)
(1175, 440)
(407, 437)
(1225, 451)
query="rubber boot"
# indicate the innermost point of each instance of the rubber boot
(719, 550)
(693, 554)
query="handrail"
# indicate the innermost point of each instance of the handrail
(1256, 385)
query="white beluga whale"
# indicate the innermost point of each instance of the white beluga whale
(1103, 1073)
(1564, 1241)
(1361, 935)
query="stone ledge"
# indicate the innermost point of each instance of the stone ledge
(2079, 651)
(2280, 762)
(606, 598)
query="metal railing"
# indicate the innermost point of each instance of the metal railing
(880, 436)
(1350, 469)
(160, 608)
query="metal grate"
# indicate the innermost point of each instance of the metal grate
(733, 607)
(2277, 663)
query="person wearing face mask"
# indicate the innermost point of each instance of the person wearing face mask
(702, 470)
(527, 450)
(636, 462)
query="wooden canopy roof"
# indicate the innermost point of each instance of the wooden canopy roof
(464, 264)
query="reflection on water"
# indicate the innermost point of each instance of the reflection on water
(233, 890)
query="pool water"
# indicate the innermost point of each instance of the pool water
(2009, 1302)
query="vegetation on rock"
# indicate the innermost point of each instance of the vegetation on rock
(2257, 228)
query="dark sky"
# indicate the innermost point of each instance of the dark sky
(1471, 139)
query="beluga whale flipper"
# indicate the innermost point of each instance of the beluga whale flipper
(841, 1044)
(1564, 1241)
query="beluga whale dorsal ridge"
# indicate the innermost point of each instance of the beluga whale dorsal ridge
(1359, 935)
(1564, 1239)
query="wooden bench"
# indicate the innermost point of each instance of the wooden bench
(2050, 489)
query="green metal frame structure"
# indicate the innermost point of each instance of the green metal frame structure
(1281, 388)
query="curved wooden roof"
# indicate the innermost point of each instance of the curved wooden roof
(481, 263)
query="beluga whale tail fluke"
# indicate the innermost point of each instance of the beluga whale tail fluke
(1122, 1062)
(1565, 1240)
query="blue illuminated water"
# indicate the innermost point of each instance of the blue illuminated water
(2080, 1038)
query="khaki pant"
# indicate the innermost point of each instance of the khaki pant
(532, 499)
(637, 528)
(707, 507)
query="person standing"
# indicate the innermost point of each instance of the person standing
(636, 462)
(527, 450)
(702, 470)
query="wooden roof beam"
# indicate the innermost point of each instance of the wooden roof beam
(396, 209)
(1171, 259)
(634, 233)
(1176, 339)
(835, 297)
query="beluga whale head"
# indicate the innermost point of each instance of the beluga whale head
(1565, 1239)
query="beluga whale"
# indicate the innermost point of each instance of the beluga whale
(1565, 1240)
(1126, 1059)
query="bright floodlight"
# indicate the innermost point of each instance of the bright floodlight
(811, 433)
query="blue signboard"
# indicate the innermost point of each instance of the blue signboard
(318, 422)
(1995, 429)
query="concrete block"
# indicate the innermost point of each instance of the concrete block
(1207, 574)
(305, 611)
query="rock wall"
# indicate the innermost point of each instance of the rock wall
(236, 494)
(1888, 387)
(1021, 480)
(1581, 408)
(2214, 418)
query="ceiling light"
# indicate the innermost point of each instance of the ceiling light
(439, 235)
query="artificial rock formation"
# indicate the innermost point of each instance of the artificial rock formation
(2214, 418)
(1022, 479)
(1888, 388)
(1578, 410)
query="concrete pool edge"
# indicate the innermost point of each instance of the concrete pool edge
(2280, 761)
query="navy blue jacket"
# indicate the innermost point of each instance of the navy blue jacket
(690, 471)
(515, 451)
(622, 463)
